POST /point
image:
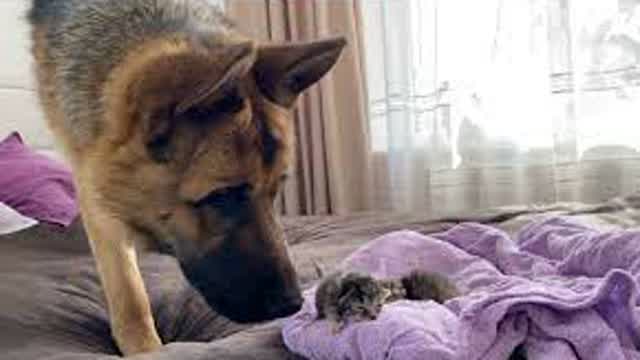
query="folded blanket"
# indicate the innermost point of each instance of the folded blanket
(12, 221)
(563, 289)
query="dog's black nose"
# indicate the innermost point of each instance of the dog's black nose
(286, 306)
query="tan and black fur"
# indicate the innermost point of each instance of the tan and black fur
(178, 131)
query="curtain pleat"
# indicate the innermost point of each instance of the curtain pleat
(332, 174)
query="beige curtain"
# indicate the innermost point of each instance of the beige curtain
(332, 172)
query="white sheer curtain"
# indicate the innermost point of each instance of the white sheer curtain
(475, 104)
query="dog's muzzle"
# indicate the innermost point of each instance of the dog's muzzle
(245, 288)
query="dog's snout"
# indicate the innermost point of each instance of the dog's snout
(244, 287)
(285, 306)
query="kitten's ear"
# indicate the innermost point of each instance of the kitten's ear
(320, 272)
(283, 71)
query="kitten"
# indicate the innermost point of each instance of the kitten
(345, 297)
(420, 285)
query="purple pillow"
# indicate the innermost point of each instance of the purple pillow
(34, 184)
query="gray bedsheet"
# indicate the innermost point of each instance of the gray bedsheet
(52, 307)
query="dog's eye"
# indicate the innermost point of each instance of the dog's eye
(227, 199)
(230, 103)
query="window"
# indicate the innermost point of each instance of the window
(521, 79)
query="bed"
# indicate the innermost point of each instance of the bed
(51, 304)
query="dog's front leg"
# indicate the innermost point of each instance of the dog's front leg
(113, 246)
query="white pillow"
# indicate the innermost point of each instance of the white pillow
(12, 221)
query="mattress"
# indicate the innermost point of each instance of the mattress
(52, 307)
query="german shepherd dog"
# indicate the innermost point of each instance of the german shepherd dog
(179, 134)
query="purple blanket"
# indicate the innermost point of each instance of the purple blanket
(565, 290)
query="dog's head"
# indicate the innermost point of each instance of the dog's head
(201, 141)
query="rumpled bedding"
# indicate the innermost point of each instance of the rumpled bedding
(12, 221)
(562, 288)
(52, 306)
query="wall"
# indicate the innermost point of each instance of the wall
(19, 107)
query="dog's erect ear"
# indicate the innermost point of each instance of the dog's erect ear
(283, 71)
